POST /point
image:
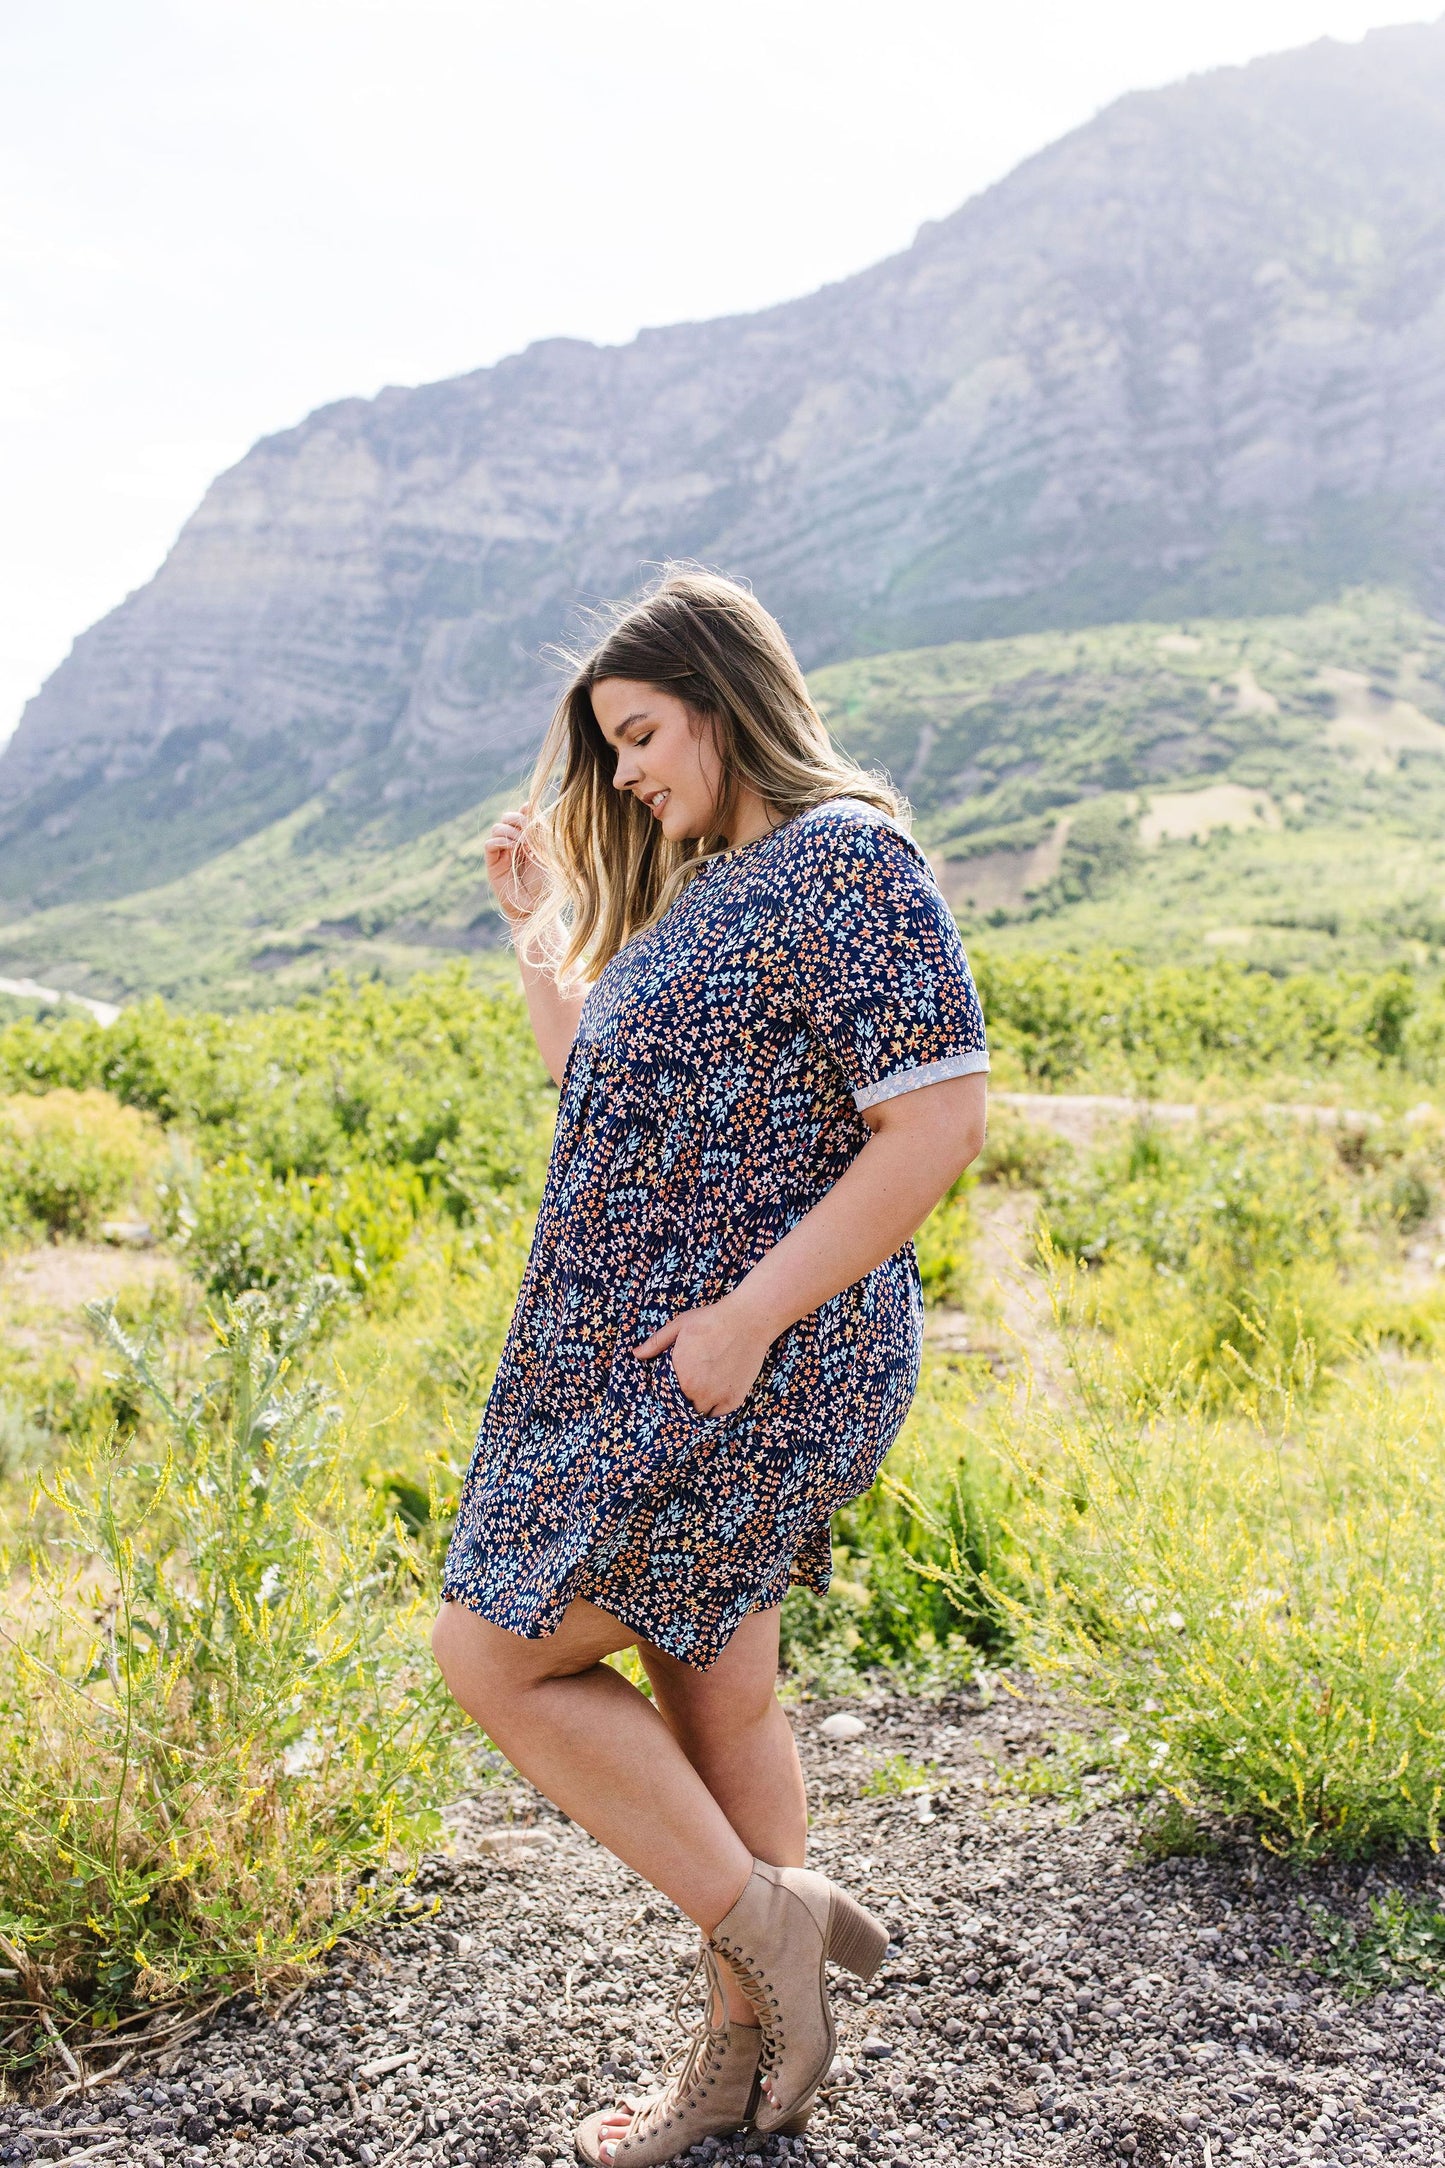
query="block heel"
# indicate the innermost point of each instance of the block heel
(785, 1926)
(856, 1941)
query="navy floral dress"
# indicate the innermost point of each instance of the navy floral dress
(712, 1096)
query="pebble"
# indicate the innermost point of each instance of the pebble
(1121, 2011)
(841, 1726)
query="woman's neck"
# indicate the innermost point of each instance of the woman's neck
(751, 817)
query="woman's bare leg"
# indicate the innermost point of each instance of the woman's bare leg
(598, 1749)
(731, 1726)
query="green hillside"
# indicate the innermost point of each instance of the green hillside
(1272, 788)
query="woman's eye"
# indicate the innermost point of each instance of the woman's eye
(640, 742)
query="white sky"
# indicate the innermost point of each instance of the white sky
(218, 214)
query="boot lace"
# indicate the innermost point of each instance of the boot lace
(759, 1992)
(694, 2058)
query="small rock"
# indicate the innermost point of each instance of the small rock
(952, 2030)
(513, 1843)
(128, 1234)
(874, 2048)
(842, 1726)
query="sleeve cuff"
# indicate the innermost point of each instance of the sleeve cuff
(912, 1080)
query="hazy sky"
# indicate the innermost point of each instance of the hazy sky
(218, 214)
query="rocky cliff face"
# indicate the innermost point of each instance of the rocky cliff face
(1191, 358)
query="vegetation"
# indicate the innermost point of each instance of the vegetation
(221, 1727)
(67, 1159)
(1038, 766)
(1257, 1603)
(1217, 1520)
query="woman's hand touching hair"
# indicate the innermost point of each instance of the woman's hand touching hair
(519, 880)
(517, 874)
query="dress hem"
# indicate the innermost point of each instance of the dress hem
(818, 1584)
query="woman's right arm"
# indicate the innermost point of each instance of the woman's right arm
(516, 876)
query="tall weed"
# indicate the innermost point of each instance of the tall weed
(223, 1737)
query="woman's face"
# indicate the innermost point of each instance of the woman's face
(665, 755)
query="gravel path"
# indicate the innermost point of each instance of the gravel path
(1051, 1996)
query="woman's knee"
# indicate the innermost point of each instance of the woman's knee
(473, 1659)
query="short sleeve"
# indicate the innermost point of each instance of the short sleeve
(879, 968)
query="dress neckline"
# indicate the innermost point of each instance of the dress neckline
(795, 820)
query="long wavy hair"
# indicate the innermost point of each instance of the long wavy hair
(710, 643)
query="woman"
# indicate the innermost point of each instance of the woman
(742, 974)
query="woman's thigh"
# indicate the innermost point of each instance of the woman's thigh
(475, 1653)
(738, 1689)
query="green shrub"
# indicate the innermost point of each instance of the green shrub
(223, 1735)
(1018, 1153)
(945, 1244)
(1226, 1198)
(243, 1228)
(67, 1159)
(436, 1077)
(1108, 1017)
(1261, 1607)
(927, 1542)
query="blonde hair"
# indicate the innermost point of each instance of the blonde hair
(710, 643)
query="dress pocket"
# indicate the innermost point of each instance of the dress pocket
(703, 1424)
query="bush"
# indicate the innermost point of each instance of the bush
(67, 1159)
(917, 1559)
(241, 1228)
(1017, 1153)
(437, 1078)
(945, 1244)
(223, 1734)
(1109, 1017)
(1261, 1607)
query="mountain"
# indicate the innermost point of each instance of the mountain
(1189, 360)
(1270, 786)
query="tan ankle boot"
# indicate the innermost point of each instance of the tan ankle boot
(711, 2092)
(778, 1939)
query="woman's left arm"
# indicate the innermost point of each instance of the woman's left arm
(921, 1142)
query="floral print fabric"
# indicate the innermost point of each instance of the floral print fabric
(712, 1096)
